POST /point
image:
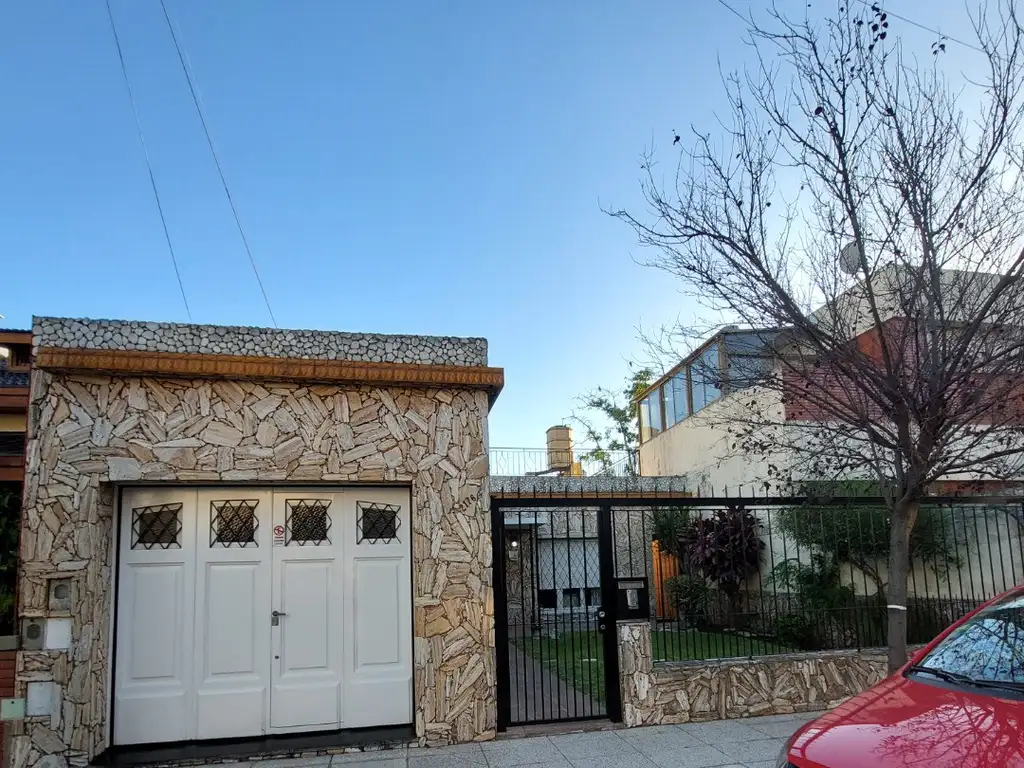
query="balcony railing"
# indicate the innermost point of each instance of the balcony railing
(584, 462)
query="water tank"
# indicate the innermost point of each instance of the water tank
(559, 442)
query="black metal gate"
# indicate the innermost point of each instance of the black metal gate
(554, 588)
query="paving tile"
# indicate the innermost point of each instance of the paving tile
(369, 756)
(660, 738)
(595, 744)
(760, 764)
(779, 729)
(635, 760)
(458, 756)
(718, 731)
(321, 761)
(509, 752)
(747, 751)
(391, 762)
(701, 756)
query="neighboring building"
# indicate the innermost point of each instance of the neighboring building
(232, 533)
(15, 354)
(678, 435)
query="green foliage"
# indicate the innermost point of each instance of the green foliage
(795, 630)
(690, 595)
(725, 548)
(818, 584)
(668, 525)
(618, 429)
(859, 533)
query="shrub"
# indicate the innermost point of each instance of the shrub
(690, 595)
(725, 548)
(796, 631)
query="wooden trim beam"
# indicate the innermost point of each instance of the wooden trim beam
(181, 365)
(14, 400)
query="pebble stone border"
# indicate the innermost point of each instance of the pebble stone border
(257, 342)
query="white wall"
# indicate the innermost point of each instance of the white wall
(700, 445)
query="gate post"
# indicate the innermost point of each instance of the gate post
(501, 640)
(609, 597)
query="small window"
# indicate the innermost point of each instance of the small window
(307, 521)
(668, 397)
(705, 376)
(593, 597)
(234, 523)
(377, 523)
(156, 527)
(680, 397)
(547, 598)
(571, 598)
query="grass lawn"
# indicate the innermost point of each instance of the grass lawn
(578, 657)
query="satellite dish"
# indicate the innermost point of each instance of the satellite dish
(849, 259)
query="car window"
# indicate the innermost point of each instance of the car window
(990, 646)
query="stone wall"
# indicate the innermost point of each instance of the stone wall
(88, 433)
(257, 342)
(681, 692)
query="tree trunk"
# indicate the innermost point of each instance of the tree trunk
(903, 517)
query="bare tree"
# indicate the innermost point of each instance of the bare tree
(900, 361)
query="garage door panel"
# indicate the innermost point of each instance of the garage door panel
(157, 606)
(377, 590)
(231, 622)
(306, 603)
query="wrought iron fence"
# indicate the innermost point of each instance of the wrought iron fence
(751, 576)
(762, 578)
(582, 462)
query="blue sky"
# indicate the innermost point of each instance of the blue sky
(400, 167)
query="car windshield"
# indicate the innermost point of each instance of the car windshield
(989, 647)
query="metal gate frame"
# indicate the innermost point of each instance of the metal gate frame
(606, 614)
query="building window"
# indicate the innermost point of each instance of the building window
(377, 523)
(680, 397)
(234, 523)
(668, 396)
(593, 597)
(650, 415)
(306, 521)
(705, 377)
(156, 527)
(571, 598)
(547, 598)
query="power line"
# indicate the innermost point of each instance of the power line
(149, 164)
(216, 159)
(885, 10)
(913, 23)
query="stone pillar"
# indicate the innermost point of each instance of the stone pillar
(636, 670)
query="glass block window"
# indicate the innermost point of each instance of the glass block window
(156, 527)
(307, 521)
(233, 523)
(377, 523)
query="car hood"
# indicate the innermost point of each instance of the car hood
(904, 723)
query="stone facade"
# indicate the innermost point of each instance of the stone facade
(90, 432)
(681, 692)
(257, 342)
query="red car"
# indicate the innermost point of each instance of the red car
(958, 702)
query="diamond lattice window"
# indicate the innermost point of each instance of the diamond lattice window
(307, 521)
(377, 523)
(234, 523)
(156, 527)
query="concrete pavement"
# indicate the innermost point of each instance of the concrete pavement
(748, 743)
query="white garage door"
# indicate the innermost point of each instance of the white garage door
(249, 611)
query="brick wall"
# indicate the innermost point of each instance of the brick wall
(6, 691)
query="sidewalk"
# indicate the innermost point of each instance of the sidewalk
(749, 743)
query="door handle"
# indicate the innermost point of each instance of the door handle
(278, 613)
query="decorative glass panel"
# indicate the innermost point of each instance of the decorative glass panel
(306, 521)
(234, 523)
(377, 523)
(156, 527)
